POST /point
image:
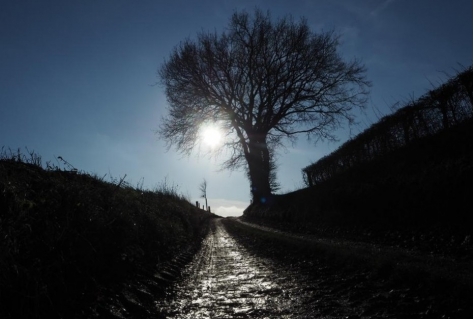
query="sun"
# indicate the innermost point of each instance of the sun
(211, 135)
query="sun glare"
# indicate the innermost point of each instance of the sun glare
(211, 136)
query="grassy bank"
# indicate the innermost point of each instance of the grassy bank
(420, 194)
(64, 235)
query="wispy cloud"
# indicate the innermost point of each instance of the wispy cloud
(381, 7)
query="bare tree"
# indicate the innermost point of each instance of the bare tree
(264, 83)
(203, 189)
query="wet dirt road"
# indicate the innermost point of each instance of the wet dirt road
(229, 279)
(226, 281)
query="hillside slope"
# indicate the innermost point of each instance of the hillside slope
(67, 238)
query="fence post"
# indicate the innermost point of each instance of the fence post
(310, 180)
(209, 209)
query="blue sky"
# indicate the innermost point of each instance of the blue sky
(77, 78)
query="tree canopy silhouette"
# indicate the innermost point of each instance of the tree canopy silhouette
(264, 82)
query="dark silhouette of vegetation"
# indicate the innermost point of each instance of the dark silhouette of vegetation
(439, 109)
(407, 180)
(67, 236)
(432, 287)
(264, 83)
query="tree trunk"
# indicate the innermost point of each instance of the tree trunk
(259, 170)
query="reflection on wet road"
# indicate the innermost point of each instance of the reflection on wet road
(230, 278)
(226, 281)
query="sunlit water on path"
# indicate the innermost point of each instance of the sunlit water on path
(225, 281)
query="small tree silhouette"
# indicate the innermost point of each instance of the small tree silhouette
(203, 189)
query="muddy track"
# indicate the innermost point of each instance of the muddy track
(240, 274)
(242, 270)
(226, 281)
(437, 264)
